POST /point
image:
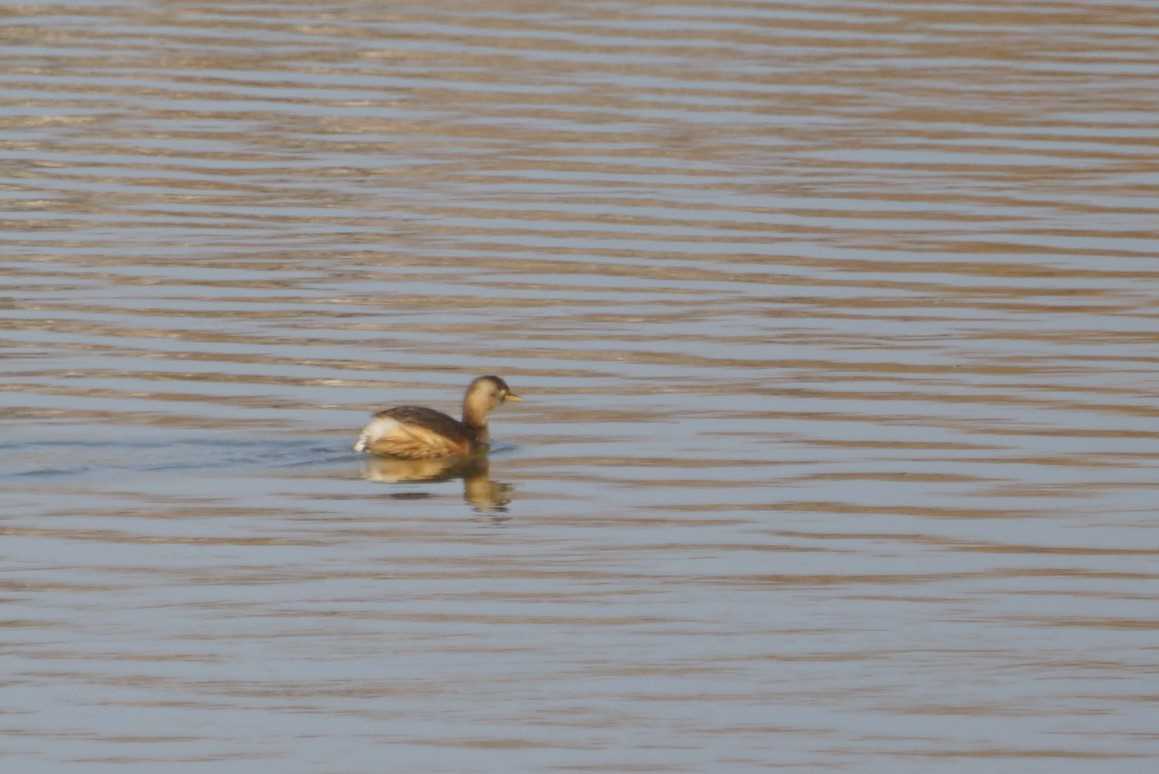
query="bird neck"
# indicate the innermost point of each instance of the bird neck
(475, 417)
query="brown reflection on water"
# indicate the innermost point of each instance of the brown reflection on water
(479, 490)
(840, 319)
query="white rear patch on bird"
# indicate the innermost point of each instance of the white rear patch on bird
(379, 427)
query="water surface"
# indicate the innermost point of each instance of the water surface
(836, 325)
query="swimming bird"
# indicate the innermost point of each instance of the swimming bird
(417, 432)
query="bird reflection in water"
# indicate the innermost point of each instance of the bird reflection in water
(483, 494)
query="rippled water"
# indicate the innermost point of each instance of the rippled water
(836, 322)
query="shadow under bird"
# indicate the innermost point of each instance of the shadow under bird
(417, 432)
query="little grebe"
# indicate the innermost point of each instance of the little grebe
(415, 432)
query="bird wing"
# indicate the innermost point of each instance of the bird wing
(414, 432)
